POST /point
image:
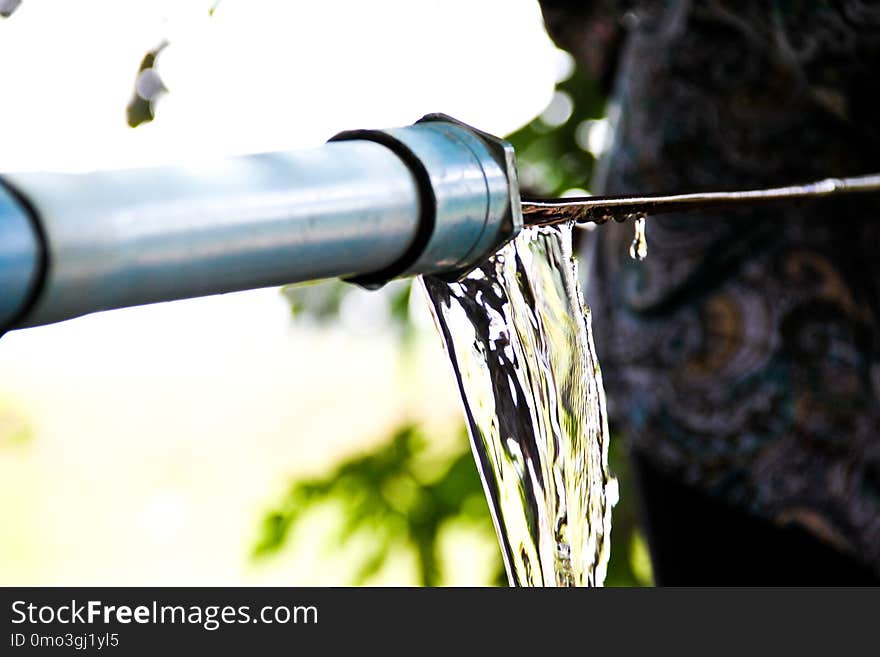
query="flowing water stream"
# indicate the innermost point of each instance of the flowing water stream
(518, 335)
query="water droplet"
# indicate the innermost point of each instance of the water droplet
(638, 250)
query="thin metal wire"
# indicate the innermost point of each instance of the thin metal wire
(600, 209)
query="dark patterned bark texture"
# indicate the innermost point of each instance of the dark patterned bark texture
(743, 355)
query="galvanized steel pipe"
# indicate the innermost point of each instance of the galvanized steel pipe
(433, 197)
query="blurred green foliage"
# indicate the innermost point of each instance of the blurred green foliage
(321, 303)
(148, 88)
(389, 491)
(15, 430)
(398, 493)
(550, 156)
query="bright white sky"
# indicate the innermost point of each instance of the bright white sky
(260, 74)
(162, 432)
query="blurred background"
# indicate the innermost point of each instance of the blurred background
(304, 436)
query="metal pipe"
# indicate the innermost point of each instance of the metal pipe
(21, 256)
(433, 197)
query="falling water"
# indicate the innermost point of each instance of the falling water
(518, 335)
(638, 250)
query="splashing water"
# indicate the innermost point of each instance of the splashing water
(518, 335)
